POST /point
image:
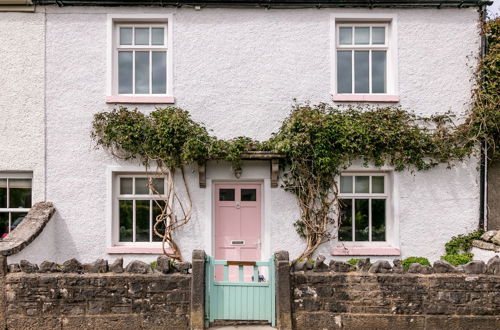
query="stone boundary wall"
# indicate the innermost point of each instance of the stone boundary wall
(97, 301)
(357, 300)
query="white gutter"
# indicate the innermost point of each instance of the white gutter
(17, 5)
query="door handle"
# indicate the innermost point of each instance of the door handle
(237, 205)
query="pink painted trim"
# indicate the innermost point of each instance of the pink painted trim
(365, 98)
(140, 99)
(365, 251)
(135, 250)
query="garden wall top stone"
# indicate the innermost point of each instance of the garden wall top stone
(32, 225)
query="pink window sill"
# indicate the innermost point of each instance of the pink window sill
(140, 99)
(365, 98)
(135, 250)
(365, 251)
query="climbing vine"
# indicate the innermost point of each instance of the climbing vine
(317, 142)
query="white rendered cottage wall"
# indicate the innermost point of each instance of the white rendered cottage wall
(22, 118)
(237, 71)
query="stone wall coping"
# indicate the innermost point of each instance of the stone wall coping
(32, 225)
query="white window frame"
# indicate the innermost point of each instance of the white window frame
(15, 175)
(153, 20)
(389, 21)
(388, 195)
(116, 209)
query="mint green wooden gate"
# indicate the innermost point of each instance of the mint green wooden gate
(226, 300)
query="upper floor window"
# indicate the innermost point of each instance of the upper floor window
(140, 59)
(15, 200)
(141, 52)
(363, 207)
(362, 53)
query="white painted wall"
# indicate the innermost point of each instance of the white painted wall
(237, 71)
(22, 45)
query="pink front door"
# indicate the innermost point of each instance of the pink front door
(237, 225)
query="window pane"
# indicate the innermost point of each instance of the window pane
(142, 36)
(361, 71)
(161, 227)
(361, 35)
(378, 219)
(125, 215)
(226, 194)
(157, 36)
(4, 224)
(16, 219)
(126, 186)
(125, 36)
(20, 193)
(142, 221)
(378, 184)
(248, 195)
(346, 184)
(3, 193)
(125, 72)
(361, 227)
(141, 186)
(344, 71)
(378, 71)
(159, 72)
(378, 35)
(345, 36)
(345, 220)
(141, 72)
(362, 184)
(159, 186)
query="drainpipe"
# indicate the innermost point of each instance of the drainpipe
(483, 186)
(17, 5)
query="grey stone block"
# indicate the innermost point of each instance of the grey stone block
(72, 266)
(398, 266)
(364, 264)
(341, 267)
(319, 265)
(117, 266)
(442, 266)
(138, 267)
(493, 266)
(98, 266)
(381, 266)
(487, 236)
(417, 268)
(182, 267)
(48, 267)
(163, 264)
(474, 267)
(28, 267)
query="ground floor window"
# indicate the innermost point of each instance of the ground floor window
(138, 204)
(363, 207)
(15, 200)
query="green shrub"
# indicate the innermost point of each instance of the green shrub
(458, 248)
(415, 260)
(458, 259)
(153, 265)
(353, 261)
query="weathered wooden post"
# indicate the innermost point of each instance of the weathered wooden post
(198, 291)
(283, 297)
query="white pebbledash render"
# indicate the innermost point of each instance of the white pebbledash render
(237, 70)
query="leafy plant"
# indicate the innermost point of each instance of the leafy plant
(414, 260)
(458, 248)
(153, 264)
(353, 261)
(458, 259)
